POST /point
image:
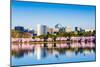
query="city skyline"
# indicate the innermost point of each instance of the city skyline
(44, 29)
(29, 14)
(34, 28)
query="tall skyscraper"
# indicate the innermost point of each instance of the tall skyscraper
(41, 29)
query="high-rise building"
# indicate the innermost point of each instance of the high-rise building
(77, 29)
(41, 29)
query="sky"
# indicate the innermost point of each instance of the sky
(29, 14)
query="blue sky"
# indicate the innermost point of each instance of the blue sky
(28, 14)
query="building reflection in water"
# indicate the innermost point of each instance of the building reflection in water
(42, 51)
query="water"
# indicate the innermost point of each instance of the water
(32, 54)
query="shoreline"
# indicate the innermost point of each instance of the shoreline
(39, 42)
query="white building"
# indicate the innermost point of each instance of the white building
(41, 29)
(87, 30)
(68, 29)
(50, 30)
(56, 30)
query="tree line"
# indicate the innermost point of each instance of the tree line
(20, 34)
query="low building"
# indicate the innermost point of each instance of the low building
(56, 30)
(19, 28)
(87, 30)
(68, 29)
(77, 29)
(50, 31)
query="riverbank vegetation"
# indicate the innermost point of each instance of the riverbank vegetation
(19, 34)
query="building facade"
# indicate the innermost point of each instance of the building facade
(68, 29)
(41, 29)
(19, 28)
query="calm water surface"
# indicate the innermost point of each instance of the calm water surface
(26, 54)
